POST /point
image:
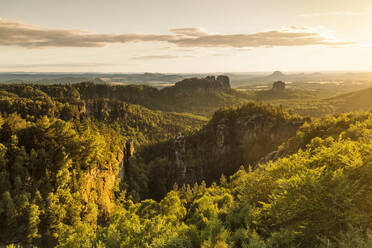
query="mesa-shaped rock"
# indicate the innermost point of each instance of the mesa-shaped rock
(208, 84)
(278, 86)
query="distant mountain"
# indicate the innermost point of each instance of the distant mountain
(297, 77)
(126, 78)
(277, 75)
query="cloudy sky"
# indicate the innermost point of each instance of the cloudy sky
(185, 35)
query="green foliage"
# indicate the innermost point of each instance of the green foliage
(105, 105)
(320, 196)
(43, 186)
(59, 165)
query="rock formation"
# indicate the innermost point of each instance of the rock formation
(99, 185)
(278, 86)
(222, 136)
(245, 136)
(179, 158)
(246, 131)
(211, 78)
(202, 85)
(128, 152)
(224, 80)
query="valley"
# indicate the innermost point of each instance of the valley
(188, 163)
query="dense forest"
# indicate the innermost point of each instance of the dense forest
(197, 164)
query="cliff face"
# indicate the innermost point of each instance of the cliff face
(253, 135)
(141, 94)
(125, 158)
(209, 84)
(179, 158)
(99, 186)
(233, 137)
(278, 86)
(240, 136)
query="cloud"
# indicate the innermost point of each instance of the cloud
(194, 32)
(151, 57)
(29, 36)
(155, 57)
(220, 54)
(55, 65)
(285, 37)
(333, 13)
(23, 35)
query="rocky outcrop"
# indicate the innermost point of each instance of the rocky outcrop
(179, 158)
(243, 136)
(128, 152)
(208, 84)
(82, 108)
(99, 186)
(225, 80)
(234, 137)
(278, 86)
(222, 136)
(248, 132)
(129, 149)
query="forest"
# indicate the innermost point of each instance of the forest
(197, 164)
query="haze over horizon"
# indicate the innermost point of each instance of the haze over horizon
(185, 36)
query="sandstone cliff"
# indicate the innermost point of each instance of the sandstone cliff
(240, 136)
(209, 84)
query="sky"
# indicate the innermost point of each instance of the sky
(185, 36)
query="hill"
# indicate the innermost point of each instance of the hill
(354, 101)
(82, 101)
(200, 96)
